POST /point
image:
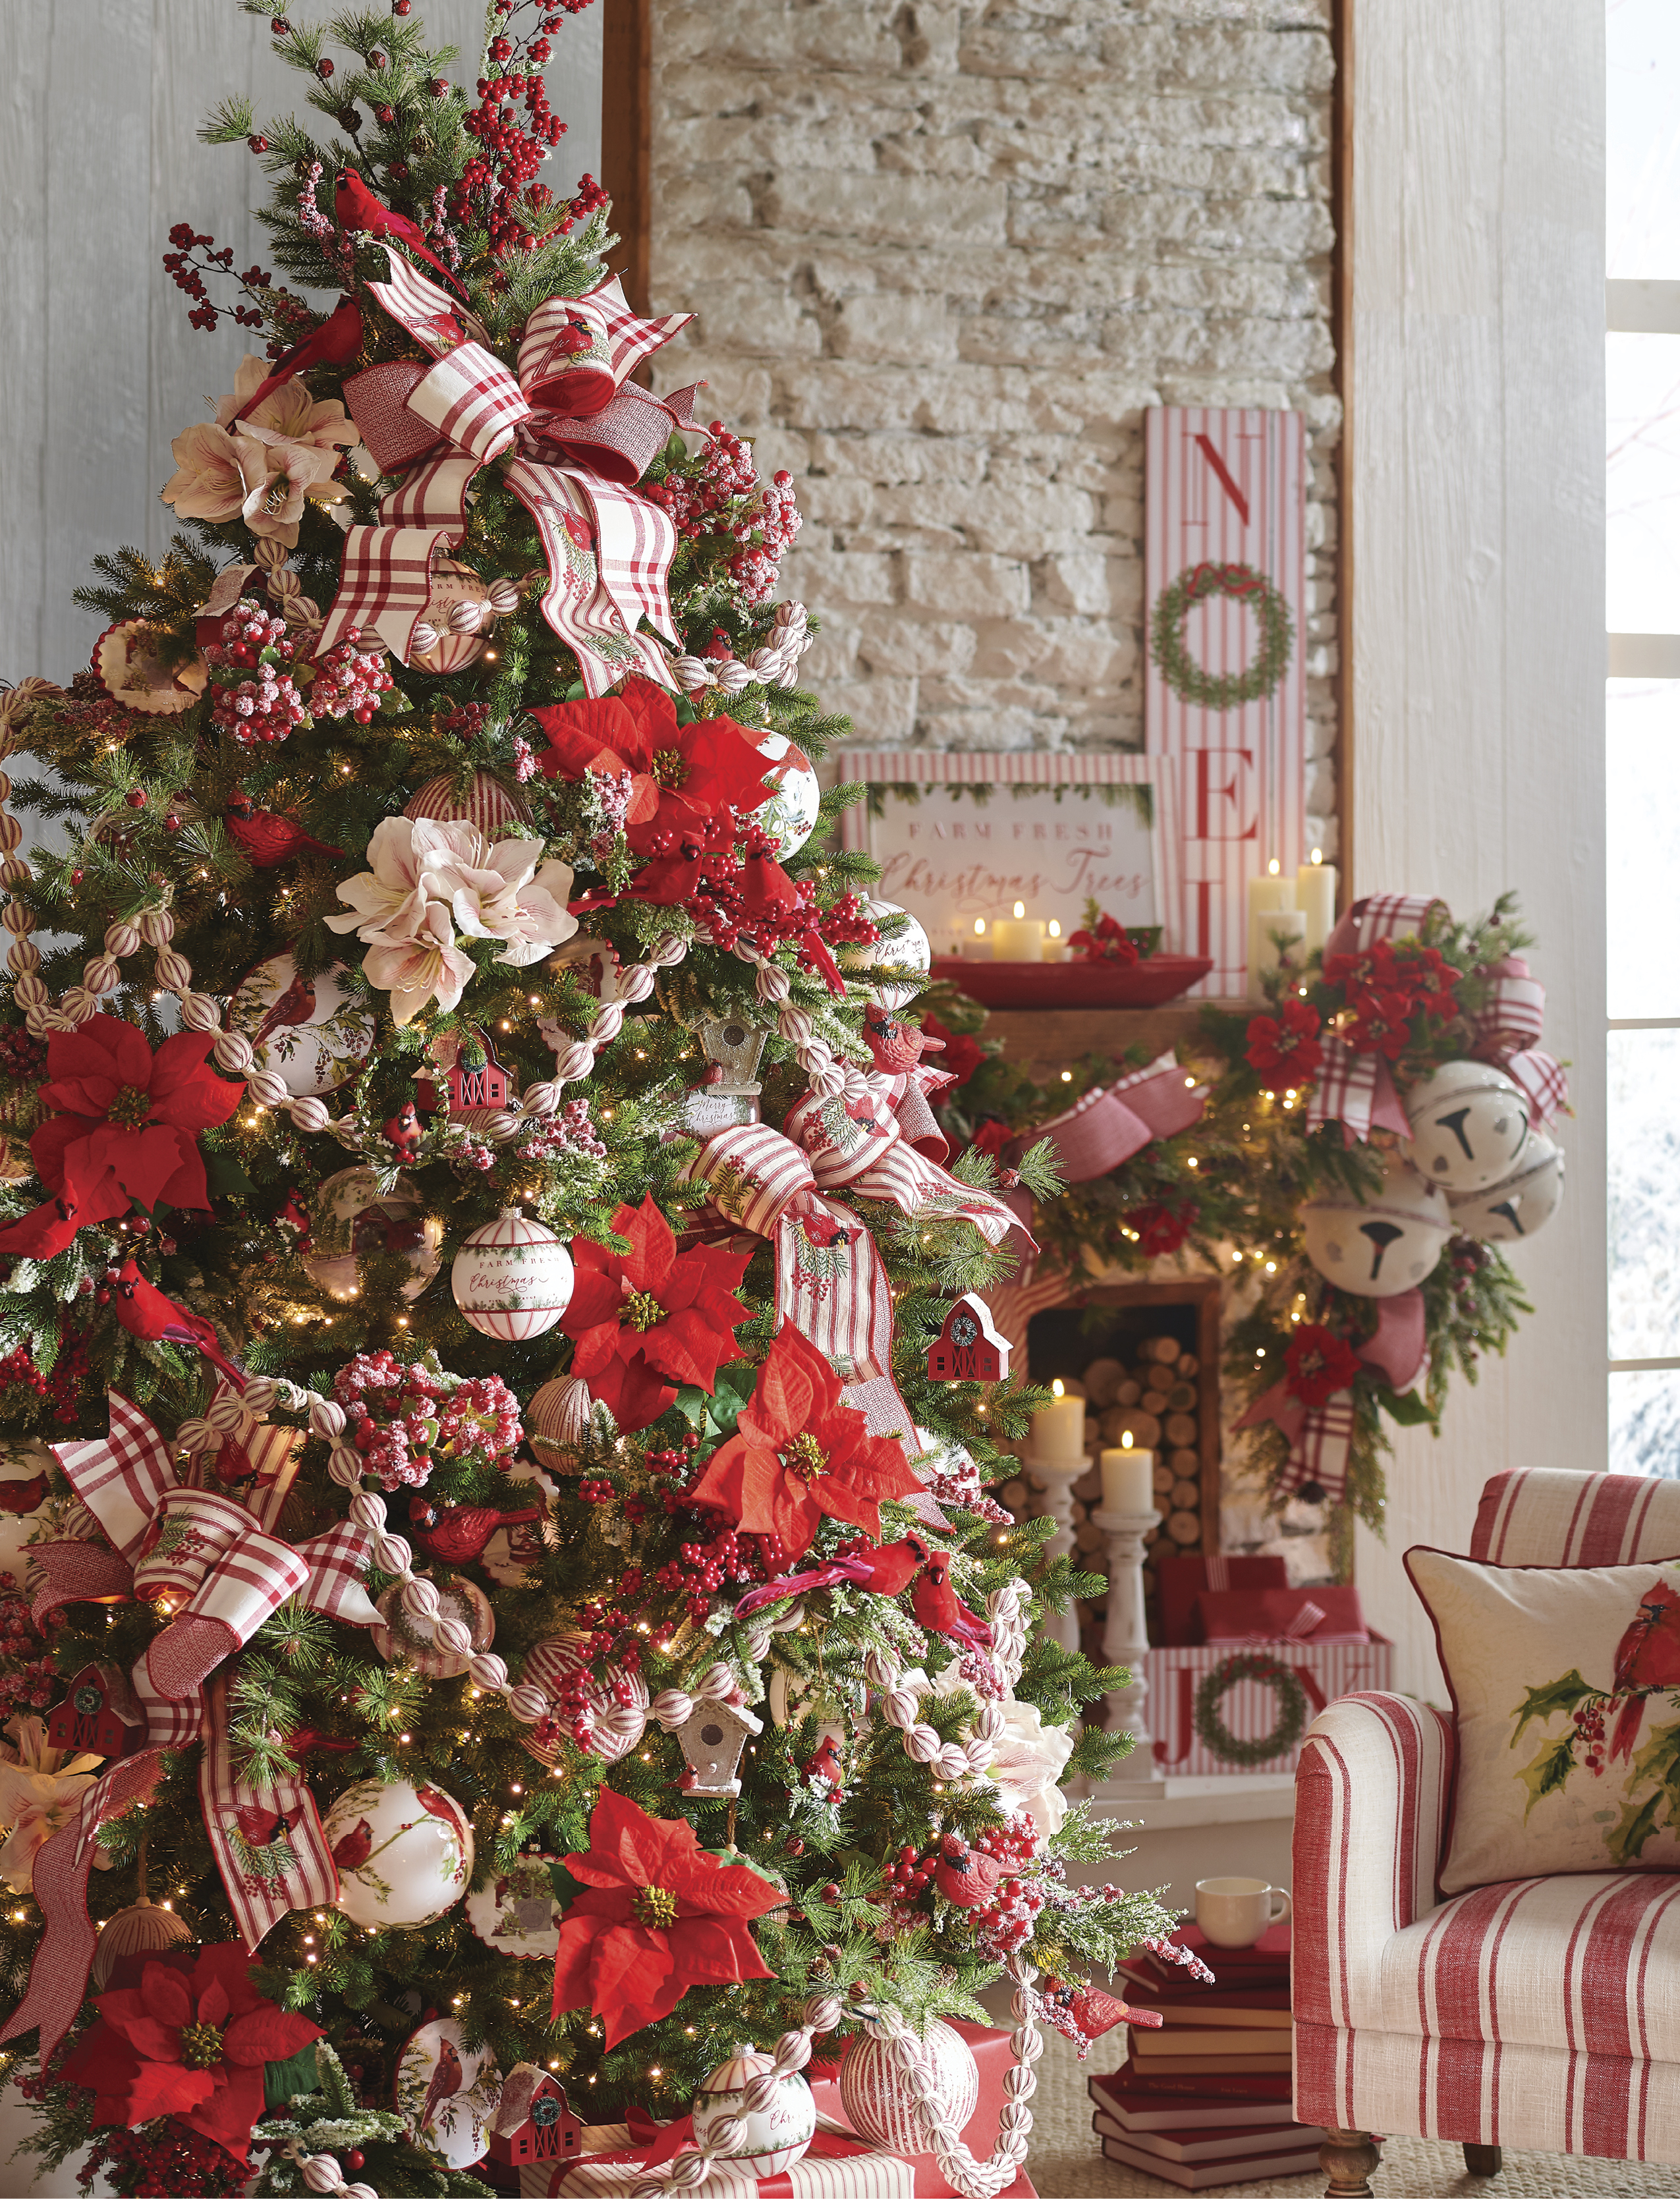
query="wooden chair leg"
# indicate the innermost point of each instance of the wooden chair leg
(1347, 2158)
(1483, 2160)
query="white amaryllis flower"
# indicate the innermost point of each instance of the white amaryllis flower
(1027, 1760)
(426, 965)
(505, 891)
(389, 902)
(39, 1790)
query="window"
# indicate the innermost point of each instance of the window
(1642, 729)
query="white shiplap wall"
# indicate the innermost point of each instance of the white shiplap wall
(1475, 385)
(99, 104)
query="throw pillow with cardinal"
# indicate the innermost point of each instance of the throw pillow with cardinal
(1566, 1683)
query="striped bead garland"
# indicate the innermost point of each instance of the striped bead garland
(877, 2097)
(512, 1278)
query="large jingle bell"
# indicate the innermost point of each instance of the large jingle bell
(1385, 1246)
(1519, 1204)
(1469, 1125)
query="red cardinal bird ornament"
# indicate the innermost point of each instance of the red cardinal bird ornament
(825, 1765)
(896, 1046)
(144, 1311)
(268, 838)
(963, 1874)
(403, 1133)
(886, 1571)
(23, 1496)
(939, 1607)
(356, 208)
(1647, 1659)
(456, 1534)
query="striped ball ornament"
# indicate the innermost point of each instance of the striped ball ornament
(512, 1278)
(877, 2097)
(484, 801)
(777, 2136)
(617, 1701)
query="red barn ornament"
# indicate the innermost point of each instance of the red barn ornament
(99, 1716)
(532, 2121)
(474, 1079)
(969, 1348)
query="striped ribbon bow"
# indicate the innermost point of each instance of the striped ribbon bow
(1321, 1436)
(1509, 1022)
(582, 436)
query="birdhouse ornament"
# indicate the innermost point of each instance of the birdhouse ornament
(1469, 1125)
(712, 1737)
(729, 1093)
(100, 1716)
(970, 1347)
(474, 1080)
(1384, 1246)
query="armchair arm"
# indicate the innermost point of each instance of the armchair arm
(1371, 1793)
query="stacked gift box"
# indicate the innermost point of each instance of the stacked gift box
(1215, 1608)
(1206, 2099)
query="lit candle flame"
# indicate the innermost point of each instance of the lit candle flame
(1273, 866)
(979, 927)
(1020, 908)
(1318, 855)
(1125, 1438)
(1055, 927)
(1056, 1389)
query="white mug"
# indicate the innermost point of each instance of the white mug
(1234, 1912)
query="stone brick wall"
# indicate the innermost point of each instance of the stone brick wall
(943, 254)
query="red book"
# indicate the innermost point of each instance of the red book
(1178, 2001)
(1166, 2103)
(1205, 2175)
(1196, 2143)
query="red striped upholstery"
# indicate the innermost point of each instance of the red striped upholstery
(1543, 2013)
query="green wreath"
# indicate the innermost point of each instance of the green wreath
(1189, 680)
(1218, 1738)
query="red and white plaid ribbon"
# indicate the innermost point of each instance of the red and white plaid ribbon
(267, 1841)
(1379, 916)
(1509, 1022)
(866, 1154)
(1357, 1091)
(1306, 1622)
(1319, 1452)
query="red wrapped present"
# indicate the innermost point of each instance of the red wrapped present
(1185, 1579)
(1320, 1616)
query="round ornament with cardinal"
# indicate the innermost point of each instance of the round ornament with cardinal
(304, 1029)
(404, 1854)
(519, 1912)
(447, 2092)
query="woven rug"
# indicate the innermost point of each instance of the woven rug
(1066, 2162)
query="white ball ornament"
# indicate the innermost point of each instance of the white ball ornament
(351, 1216)
(512, 1278)
(1519, 1204)
(1469, 1125)
(894, 969)
(404, 1854)
(1386, 1245)
(776, 2136)
(789, 811)
(879, 2104)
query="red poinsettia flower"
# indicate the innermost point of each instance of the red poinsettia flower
(1109, 942)
(679, 775)
(1285, 1047)
(1381, 1023)
(124, 1129)
(800, 1455)
(1163, 1225)
(646, 1320)
(991, 1136)
(190, 2041)
(1318, 1363)
(660, 1915)
(962, 1056)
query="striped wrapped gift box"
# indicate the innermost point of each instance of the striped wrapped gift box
(1249, 1708)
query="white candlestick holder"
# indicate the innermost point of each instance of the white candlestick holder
(1126, 1632)
(1054, 1480)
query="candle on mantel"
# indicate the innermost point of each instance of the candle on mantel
(1316, 896)
(1018, 941)
(979, 934)
(1127, 1478)
(1273, 917)
(1055, 947)
(1059, 1430)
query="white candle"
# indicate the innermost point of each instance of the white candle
(1018, 941)
(1271, 890)
(1266, 928)
(1059, 1429)
(1315, 894)
(1128, 1480)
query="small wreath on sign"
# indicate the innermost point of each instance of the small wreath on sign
(1190, 681)
(1217, 1737)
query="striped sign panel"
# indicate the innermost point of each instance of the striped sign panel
(1249, 1709)
(1225, 487)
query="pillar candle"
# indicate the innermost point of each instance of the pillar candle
(1019, 940)
(1059, 1429)
(1128, 1481)
(1266, 926)
(1315, 894)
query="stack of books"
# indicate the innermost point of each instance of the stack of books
(1205, 2100)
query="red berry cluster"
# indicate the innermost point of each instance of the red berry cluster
(700, 1570)
(678, 1461)
(466, 720)
(22, 1055)
(405, 1421)
(579, 1697)
(1590, 1724)
(28, 1680)
(350, 679)
(264, 705)
(512, 148)
(161, 2160)
(592, 1491)
(187, 276)
(724, 498)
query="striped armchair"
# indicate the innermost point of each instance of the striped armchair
(1541, 2013)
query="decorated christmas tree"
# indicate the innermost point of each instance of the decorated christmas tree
(502, 1619)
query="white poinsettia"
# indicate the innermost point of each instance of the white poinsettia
(39, 1790)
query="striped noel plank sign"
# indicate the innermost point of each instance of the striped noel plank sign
(1225, 587)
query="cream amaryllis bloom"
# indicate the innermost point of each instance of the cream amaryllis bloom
(207, 482)
(505, 891)
(39, 1790)
(1028, 1760)
(279, 476)
(426, 965)
(290, 410)
(388, 901)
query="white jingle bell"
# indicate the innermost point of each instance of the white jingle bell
(353, 1219)
(776, 2136)
(402, 1635)
(404, 1854)
(1386, 1245)
(1519, 1204)
(877, 2097)
(512, 1278)
(1469, 1125)
(303, 1029)
(896, 968)
(789, 810)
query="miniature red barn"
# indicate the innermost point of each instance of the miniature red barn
(532, 2121)
(969, 1348)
